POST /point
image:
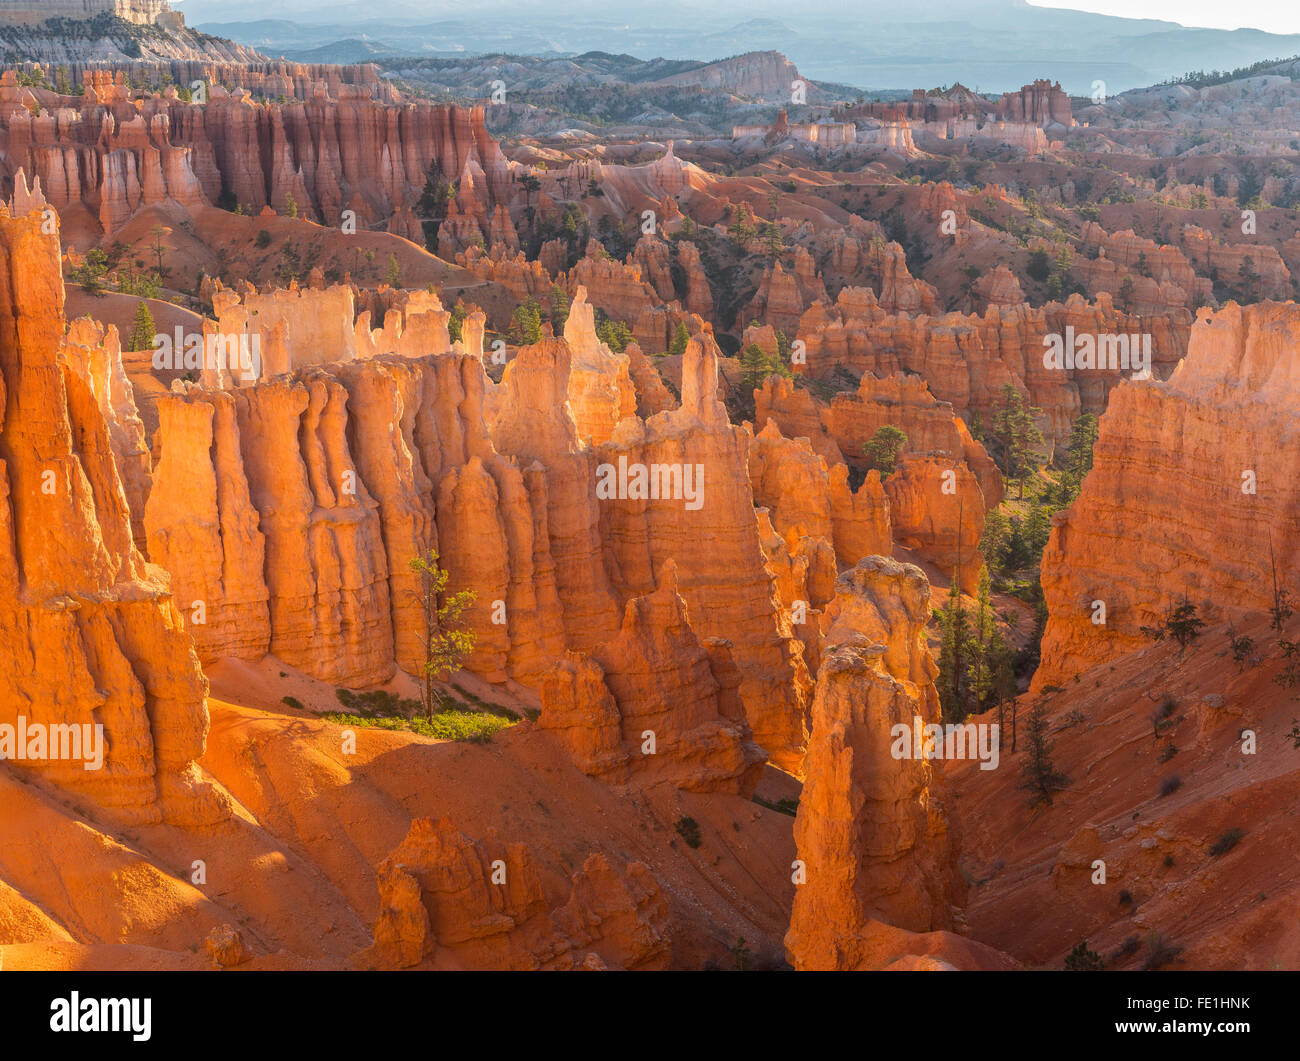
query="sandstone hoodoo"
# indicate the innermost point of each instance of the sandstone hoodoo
(469, 511)
(95, 635)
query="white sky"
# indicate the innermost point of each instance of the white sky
(1275, 16)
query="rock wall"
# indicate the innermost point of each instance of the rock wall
(327, 154)
(937, 508)
(727, 587)
(384, 458)
(965, 359)
(931, 426)
(93, 635)
(655, 704)
(872, 832)
(470, 904)
(1170, 508)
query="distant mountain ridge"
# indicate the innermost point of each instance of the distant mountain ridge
(991, 45)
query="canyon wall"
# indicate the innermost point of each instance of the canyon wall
(441, 901)
(1192, 494)
(292, 507)
(966, 359)
(93, 634)
(872, 832)
(327, 154)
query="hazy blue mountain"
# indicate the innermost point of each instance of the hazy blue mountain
(992, 45)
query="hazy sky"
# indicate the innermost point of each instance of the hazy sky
(1274, 16)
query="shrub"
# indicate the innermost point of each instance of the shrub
(453, 725)
(1170, 785)
(263, 240)
(1242, 646)
(1159, 953)
(781, 806)
(1081, 959)
(377, 703)
(1130, 946)
(689, 830)
(742, 957)
(292, 701)
(1227, 841)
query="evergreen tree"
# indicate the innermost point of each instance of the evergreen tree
(883, 447)
(1015, 430)
(1040, 265)
(1004, 679)
(438, 193)
(754, 367)
(783, 348)
(614, 334)
(1040, 777)
(559, 309)
(743, 229)
(1125, 294)
(994, 541)
(1249, 279)
(1037, 528)
(143, 329)
(1078, 457)
(525, 324)
(1183, 624)
(455, 325)
(1059, 282)
(772, 238)
(681, 337)
(447, 644)
(954, 647)
(983, 630)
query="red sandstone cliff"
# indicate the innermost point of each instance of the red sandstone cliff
(1191, 481)
(872, 831)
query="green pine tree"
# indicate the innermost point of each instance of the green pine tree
(1078, 456)
(447, 644)
(1017, 436)
(754, 367)
(456, 323)
(559, 309)
(681, 337)
(1040, 776)
(525, 324)
(983, 630)
(883, 447)
(143, 329)
(954, 647)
